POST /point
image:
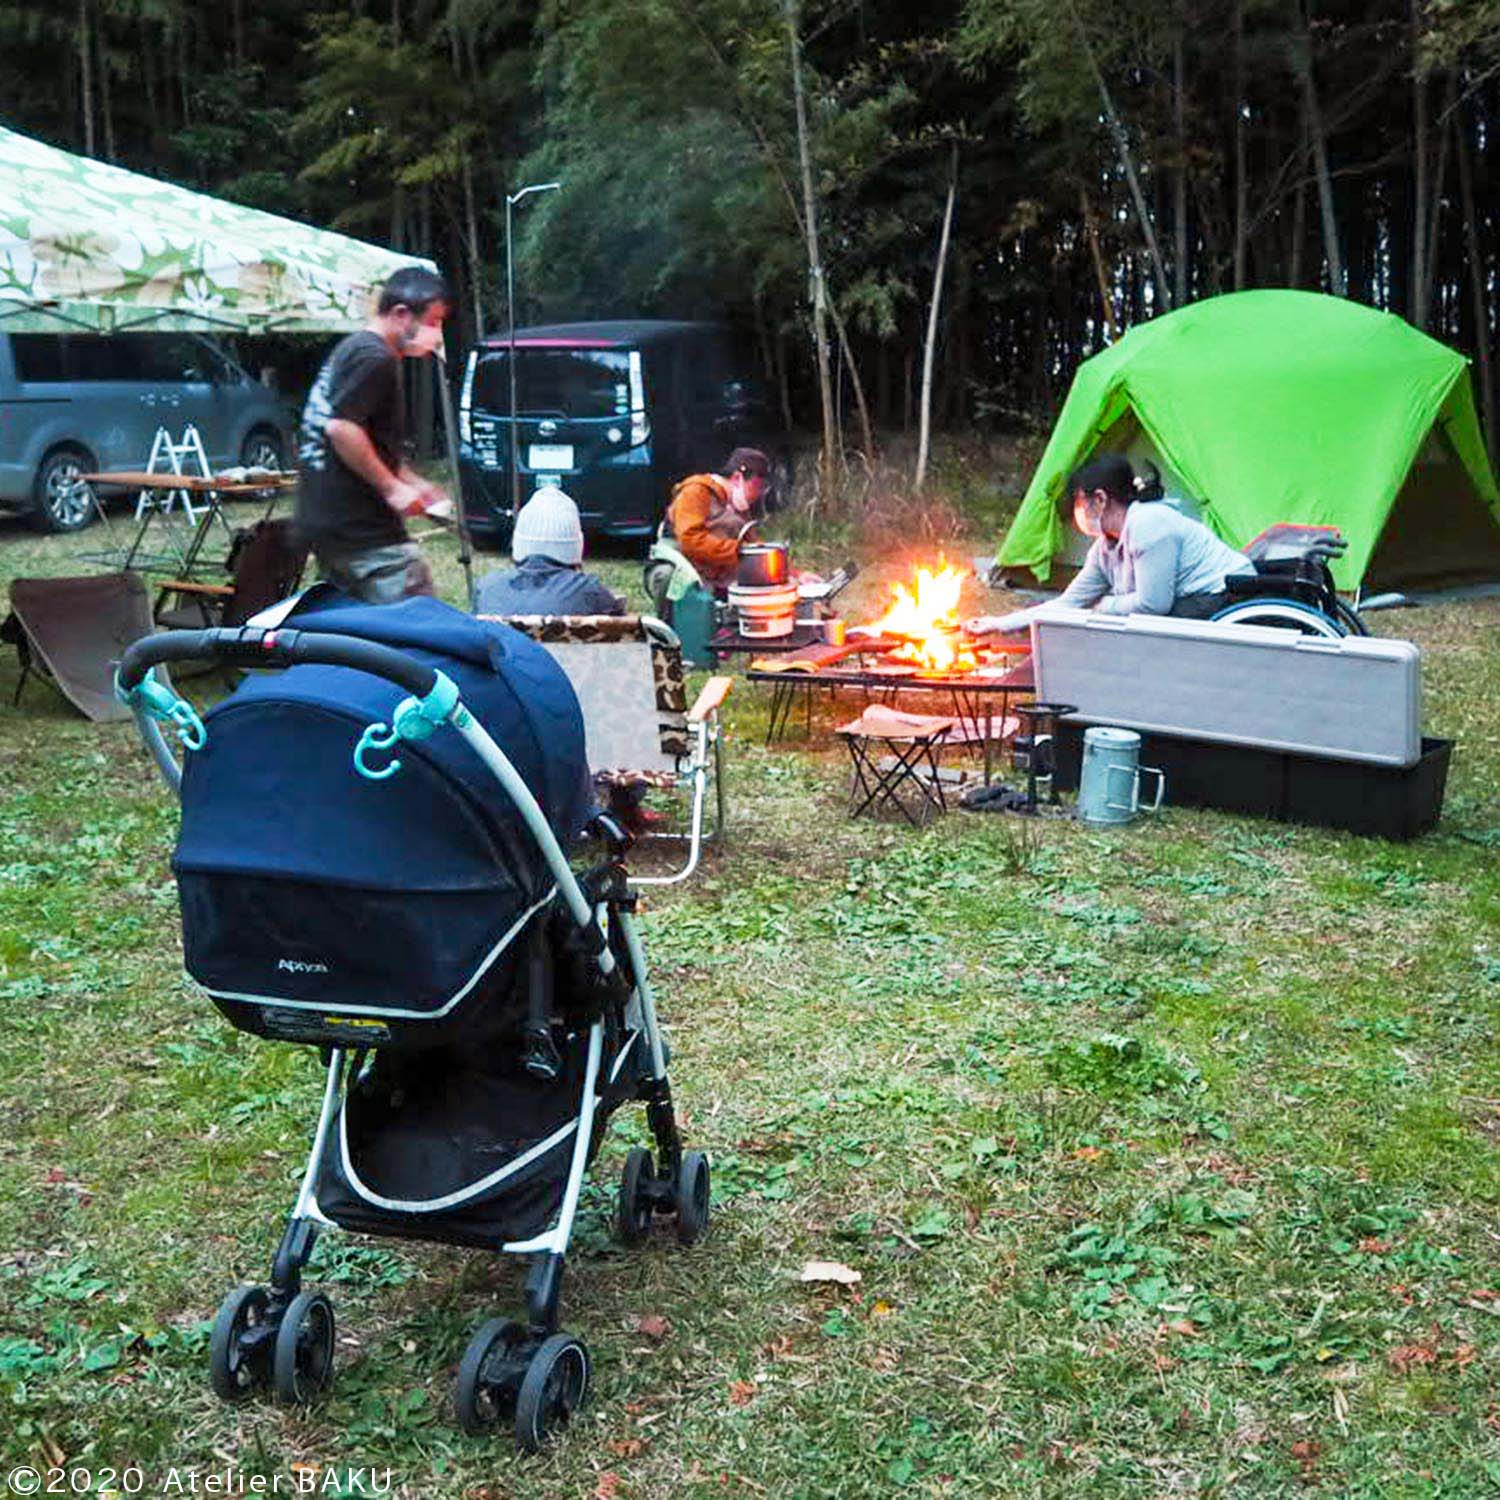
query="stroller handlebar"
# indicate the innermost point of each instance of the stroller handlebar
(252, 646)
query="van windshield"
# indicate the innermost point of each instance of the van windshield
(570, 383)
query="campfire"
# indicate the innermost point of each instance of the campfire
(924, 618)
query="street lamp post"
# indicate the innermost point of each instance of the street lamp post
(511, 199)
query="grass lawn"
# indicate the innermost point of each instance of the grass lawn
(1169, 1156)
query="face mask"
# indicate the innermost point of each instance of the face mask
(737, 496)
(424, 340)
(1086, 518)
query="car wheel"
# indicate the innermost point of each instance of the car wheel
(62, 501)
(263, 449)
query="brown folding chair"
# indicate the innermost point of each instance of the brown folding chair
(265, 565)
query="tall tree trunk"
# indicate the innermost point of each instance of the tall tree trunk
(1477, 288)
(86, 74)
(924, 430)
(1338, 281)
(866, 430)
(1299, 218)
(1127, 163)
(1417, 294)
(814, 257)
(1091, 229)
(1241, 178)
(106, 100)
(1180, 183)
(783, 381)
(1446, 128)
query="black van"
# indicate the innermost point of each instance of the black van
(616, 413)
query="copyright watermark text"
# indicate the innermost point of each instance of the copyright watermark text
(301, 1479)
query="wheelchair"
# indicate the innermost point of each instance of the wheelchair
(1292, 587)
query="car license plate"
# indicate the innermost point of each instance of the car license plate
(551, 456)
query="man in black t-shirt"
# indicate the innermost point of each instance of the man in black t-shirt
(356, 486)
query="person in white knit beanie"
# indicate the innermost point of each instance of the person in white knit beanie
(548, 578)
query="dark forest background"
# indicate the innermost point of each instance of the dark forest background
(787, 164)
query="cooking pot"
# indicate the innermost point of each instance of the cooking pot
(763, 565)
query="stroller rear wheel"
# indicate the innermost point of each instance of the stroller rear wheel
(236, 1357)
(302, 1365)
(633, 1207)
(692, 1198)
(555, 1386)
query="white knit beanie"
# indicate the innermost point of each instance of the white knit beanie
(548, 525)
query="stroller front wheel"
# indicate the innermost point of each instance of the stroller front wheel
(488, 1375)
(302, 1366)
(555, 1386)
(693, 1195)
(633, 1208)
(236, 1351)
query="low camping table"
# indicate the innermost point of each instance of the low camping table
(213, 491)
(981, 700)
(907, 773)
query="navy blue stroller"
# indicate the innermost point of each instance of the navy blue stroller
(371, 861)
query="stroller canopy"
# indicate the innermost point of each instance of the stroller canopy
(305, 883)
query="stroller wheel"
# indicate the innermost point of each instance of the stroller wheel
(633, 1206)
(488, 1376)
(556, 1385)
(692, 1198)
(302, 1365)
(235, 1369)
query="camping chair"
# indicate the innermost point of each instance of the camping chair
(265, 565)
(627, 673)
(72, 632)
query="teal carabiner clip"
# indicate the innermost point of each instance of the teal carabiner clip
(414, 719)
(160, 702)
(376, 737)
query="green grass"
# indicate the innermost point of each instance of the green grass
(1170, 1156)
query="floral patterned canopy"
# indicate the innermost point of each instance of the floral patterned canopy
(85, 243)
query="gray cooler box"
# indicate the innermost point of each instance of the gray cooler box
(1252, 719)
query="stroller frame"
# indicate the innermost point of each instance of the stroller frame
(286, 1333)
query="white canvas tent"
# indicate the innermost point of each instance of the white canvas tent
(86, 243)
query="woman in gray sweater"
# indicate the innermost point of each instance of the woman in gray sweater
(1147, 558)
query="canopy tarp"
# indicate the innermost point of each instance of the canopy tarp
(85, 243)
(1288, 406)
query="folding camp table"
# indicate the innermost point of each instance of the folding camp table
(210, 489)
(981, 701)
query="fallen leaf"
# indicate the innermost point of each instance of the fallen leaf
(1404, 1356)
(608, 1486)
(1373, 1246)
(627, 1447)
(653, 1326)
(830, 1270)
(882, 1309)
(1087, 1153)
(1463, 1356)
(779, 1346)
(741, 1392)
(1185, 1326)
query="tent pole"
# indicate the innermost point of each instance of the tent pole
(450, 428)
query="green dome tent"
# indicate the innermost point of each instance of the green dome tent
(1274, 406)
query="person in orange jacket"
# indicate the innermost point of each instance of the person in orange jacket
(710, 513)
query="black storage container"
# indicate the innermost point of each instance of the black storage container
(1379, 801)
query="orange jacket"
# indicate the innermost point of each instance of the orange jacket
(706, 526)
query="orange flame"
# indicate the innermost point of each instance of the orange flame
(925, 618)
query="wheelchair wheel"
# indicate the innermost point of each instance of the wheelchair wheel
(1350, 618)
(1284, 614)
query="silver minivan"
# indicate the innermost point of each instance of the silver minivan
(74, 403)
